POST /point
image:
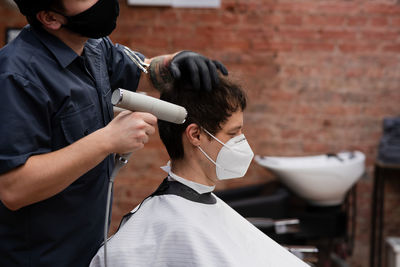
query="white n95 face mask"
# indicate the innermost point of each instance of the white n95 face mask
(233, 159)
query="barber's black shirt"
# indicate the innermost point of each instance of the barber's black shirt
(49, 98)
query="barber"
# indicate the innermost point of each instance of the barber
(57, 137)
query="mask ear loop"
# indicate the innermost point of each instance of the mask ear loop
(209, 158)
(205, 154)
(216, 164)
(215, 138)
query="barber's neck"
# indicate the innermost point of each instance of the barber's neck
(191, 170)
(75, 41)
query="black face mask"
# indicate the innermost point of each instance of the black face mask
(97, 21)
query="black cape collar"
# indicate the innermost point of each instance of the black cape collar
(168, 187)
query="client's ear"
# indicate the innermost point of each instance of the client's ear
(193, 132)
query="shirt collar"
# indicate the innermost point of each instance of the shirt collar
(63, 53)
(199, 188)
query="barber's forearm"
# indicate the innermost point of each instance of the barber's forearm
(158, 77)
(43, 176)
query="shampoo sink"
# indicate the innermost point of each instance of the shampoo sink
(322, 180)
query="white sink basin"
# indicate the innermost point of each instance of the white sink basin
(322, 180)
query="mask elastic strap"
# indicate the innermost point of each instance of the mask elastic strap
(216, 164)
(215, 138)
(209, 158)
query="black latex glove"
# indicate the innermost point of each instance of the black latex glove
(197, 69)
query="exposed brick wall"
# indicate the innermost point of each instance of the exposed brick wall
(320, 76)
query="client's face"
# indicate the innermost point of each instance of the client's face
(231, 128)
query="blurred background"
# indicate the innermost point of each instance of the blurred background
(320, 75)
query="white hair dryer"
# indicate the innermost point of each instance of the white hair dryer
(140, 102)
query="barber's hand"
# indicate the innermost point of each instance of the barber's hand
(199, 70)
(129, 131)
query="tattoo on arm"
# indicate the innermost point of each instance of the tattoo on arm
(160, 75)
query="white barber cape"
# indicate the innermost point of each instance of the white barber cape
(196, 229)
